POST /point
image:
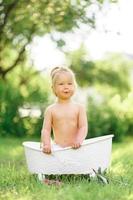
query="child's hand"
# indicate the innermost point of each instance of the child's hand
(46, 149)
(76, 145)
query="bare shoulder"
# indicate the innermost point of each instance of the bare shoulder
(50, 108)
(80, 106)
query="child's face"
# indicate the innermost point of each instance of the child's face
(64, 86)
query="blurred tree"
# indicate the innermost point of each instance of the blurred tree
(21, 20)
(111, 74)
(19, 96)
(20, 84)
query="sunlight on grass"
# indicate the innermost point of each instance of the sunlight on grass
(119, 169)
(15, 152)
(130, 197)
(121, 158)
(118, 159)
(121, 151)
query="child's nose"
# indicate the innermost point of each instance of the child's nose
(66, 86)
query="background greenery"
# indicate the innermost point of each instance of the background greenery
(22, 86)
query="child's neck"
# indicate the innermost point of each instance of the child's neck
(63, 101)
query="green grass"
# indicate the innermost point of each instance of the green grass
(17, 184)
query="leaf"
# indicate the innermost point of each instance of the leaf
(100, 176)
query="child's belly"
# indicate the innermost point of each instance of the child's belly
(65, 135)
(64, 141)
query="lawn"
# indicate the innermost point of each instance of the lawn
(17, 184)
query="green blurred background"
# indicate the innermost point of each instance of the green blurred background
(25, 91)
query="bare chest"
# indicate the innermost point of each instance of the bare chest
(65, 115)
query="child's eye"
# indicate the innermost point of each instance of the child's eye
(69, 83)
(60, 83)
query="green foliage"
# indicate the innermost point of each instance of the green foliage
(111, 72)
(10, 101)
(13, 97)
(114, 116)
(83, 68)
(114, 70)
(21, 21)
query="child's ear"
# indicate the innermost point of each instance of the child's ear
(53, 90)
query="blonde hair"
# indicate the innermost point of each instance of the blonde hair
(57, 70)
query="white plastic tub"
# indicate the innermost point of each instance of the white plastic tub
(93, 154)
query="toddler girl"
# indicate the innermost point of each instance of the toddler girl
(66, 118)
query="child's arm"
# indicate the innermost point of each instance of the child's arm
(46, 132)
(82, 128)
